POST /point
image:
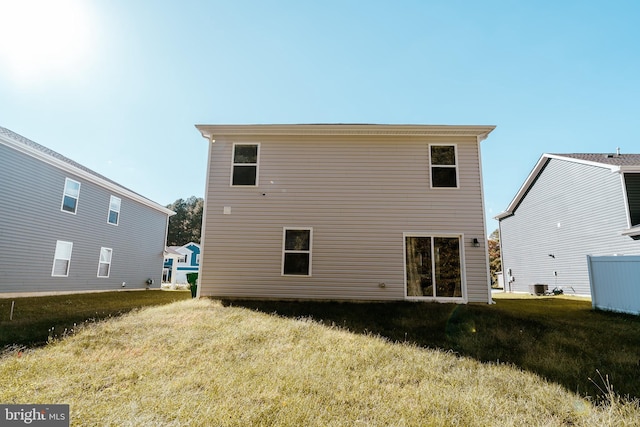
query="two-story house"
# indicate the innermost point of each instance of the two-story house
(65, 228)
(345, 212)
(570, 206)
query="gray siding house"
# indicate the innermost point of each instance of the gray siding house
(67, 229)
(344, 212)
(570, 206)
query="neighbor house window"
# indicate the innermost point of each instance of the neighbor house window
(104, 263)
(433, 266)
(296, 256)
(114, 210)
(70, 196)
(245, 164)
(632, 185)
(443, 164)
(62, 259)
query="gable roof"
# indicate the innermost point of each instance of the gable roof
(171, 250)
(185, 246)
(615, 162)
(607, 159)
(40, 152)
(211, 131)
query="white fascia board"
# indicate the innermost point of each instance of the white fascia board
(211, 131)
(62, 165)
(613, 168)
(629, 169)
(524, 188)
(633, 231)
(536, 171)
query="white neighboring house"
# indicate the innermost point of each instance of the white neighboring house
(179, 261)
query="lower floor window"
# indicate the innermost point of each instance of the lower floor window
(296, 256)
(104, 264)
(62, 259)
(433, 266)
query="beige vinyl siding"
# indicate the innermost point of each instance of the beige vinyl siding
(358, 193)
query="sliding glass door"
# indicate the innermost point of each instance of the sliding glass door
(433, 266)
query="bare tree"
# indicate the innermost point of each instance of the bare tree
(495, 262)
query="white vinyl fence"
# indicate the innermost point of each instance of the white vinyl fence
(615, 283)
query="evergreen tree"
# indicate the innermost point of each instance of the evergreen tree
(186, 225)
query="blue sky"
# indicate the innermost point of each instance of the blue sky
(117, 85)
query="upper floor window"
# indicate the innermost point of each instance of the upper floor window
(70, 196)
(62, 259)
(443, 165)
(296, 256)
(245, 164)
(104, 263)
(114, 210)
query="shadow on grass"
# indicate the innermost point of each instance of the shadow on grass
(564, 341)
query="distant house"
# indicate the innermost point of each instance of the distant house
(570, 206)
(179, 261)
(345, 212)
(66, 228)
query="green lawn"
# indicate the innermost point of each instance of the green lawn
(201, 363)
(39, 319)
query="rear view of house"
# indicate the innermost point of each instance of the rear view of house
(66, 228)
(344, 212)
(570, 206)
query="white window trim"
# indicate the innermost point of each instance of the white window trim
(60, 243)
(460, 236)
(64, 194)
(456, 166)
(234, 164)
(111, 199)
(284, 251)
(109, 263)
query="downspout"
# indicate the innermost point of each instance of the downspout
(204, 215)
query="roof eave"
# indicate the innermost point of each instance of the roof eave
(44, 157)
(211, 131)
(538, 168)
(525, 187)
(631, 232)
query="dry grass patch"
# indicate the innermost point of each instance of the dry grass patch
(199, 363)
(30, 321)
